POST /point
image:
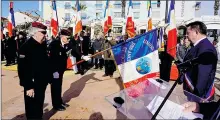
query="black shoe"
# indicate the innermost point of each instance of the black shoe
(65, 105)
(82, 73)
(77, 73)
(104, 75)
(100, 68)
(96, 68)
(7, 64)
(60, 108)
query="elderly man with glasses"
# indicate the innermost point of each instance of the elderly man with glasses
(33, 71)
(58, 58)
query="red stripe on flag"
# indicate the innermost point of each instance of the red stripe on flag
(10, 27)
(130, 27)
(172, 42)
(54, 26)
(78, 27)
(134, 82)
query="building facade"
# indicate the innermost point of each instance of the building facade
(184, 11)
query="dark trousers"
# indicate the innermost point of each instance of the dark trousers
(56, 91)
(165, 66)
(34, 106)
(100, 64)
(10, 57)
(80, 66)
(109, 67)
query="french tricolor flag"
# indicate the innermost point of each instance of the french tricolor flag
(54, 20)
(78, 25)
(172, 32)
(11, 18)
(108, 19)
(130, 23)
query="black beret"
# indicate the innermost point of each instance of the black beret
(65, 32)
(39, 25)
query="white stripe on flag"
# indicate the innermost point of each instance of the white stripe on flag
(128, 70)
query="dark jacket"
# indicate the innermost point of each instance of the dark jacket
(58, 56)
(85, 45)
(201, 76)
(76, 48)
(181, 52)
(33, 65)
(97, 45)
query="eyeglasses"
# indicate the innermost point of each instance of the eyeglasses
(43, 32)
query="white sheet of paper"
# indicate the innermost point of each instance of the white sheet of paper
(170, 110)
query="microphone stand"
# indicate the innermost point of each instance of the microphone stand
(181, 72)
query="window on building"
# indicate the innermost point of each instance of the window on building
(136, 5)
(136, 15)
(117, 30)
(67, 5)
(67, 16)
(117, 14)
(98, 6)
(83, 15)
(155, 4)
(117, 4)
(158, 3)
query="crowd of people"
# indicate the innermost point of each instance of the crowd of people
(42, 61)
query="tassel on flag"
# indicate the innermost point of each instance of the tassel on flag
(108, 19)
(78, 25)
(11, 22)
(54, 21)
(172, 31)
(130, 23)
(150, 25)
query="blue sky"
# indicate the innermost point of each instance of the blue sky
(20, 5)
(206, 7)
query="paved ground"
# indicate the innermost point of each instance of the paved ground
(85, 94)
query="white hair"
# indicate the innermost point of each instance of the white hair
(33, 30)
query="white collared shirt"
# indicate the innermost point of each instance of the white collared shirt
(197, 42)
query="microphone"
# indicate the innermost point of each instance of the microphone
(189, 63)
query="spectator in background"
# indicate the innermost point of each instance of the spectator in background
(97, 45)
(183, 47)
(108, 57)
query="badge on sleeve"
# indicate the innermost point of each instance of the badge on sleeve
(21, 56)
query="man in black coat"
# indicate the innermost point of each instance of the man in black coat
(34, 71)
(10, 50)
(58, 58)
(76, 46)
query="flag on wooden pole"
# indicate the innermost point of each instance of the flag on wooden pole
(78, 25)
(11, 22)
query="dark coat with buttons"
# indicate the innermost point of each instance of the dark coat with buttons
(33, 65)
(58, 55)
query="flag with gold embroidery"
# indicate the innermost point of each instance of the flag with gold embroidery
(137, 58)
(130, 23)
(108, 19)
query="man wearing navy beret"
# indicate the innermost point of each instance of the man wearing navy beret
(58, 58)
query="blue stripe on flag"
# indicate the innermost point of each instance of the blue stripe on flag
(136, 47)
